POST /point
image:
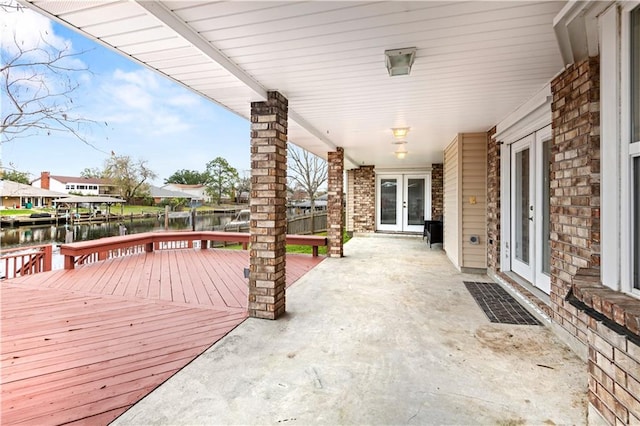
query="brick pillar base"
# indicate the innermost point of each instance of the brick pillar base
(268, 225)
(335, 216)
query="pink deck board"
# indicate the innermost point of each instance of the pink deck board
(82, 346)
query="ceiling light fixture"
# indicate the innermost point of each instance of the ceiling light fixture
(400, 132)
(400, 153)
(399, 61)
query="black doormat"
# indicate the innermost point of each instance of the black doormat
(498, 305)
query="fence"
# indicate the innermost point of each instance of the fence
(20, 261)
(298, 225)
(301, 225)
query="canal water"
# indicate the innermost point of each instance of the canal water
(26, 236)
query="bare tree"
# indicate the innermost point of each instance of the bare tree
(38, 80)
(128, 176)
(306, 171)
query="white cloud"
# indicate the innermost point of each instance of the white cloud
(29, 30)
(150, 105)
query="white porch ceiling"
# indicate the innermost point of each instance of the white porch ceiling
(476, 62)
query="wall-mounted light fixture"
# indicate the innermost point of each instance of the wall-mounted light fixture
(399, 61)
(400, 132)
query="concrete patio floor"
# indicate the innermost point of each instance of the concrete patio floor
(386, 335)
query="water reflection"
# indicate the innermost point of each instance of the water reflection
(51, 234)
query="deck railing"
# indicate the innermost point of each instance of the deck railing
(85, 252)
(24, 261)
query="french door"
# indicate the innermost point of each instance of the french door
(403, 202)
(529, 210)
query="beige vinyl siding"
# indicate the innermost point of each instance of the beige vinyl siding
(465, 179)
(450, 207)
(474, 185)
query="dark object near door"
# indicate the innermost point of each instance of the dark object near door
(432, 231)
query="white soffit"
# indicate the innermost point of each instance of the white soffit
(476, 62)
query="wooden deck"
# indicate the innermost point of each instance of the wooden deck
(81, 346)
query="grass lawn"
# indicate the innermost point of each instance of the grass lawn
(17, 212)
(299, 249)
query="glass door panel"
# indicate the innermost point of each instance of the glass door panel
(522, 206)
(542, 206)
(388, 201)
(522, 219)
(415, 201)
(546, 207)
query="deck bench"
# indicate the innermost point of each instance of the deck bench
(81, 251)
(314, 241)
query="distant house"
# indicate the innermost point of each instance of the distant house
(73, 184)
(20, 195)
(161, 194)
(198, 192)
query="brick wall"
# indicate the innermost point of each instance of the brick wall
(349, 202)
(335, 186)
(364, 199)
(437, 191)
(614, 374)
(268, 224)
(493, 203)
(605, 321)
(575, 186)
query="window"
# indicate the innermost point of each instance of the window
(636, 222)
(634, 131)
(635, 74)
(620, 146)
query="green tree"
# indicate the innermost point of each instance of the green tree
(14, 176)
(188, 177)
(222, 178)
(129, 177)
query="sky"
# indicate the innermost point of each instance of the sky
(137, 112)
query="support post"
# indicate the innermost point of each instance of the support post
(268, 224)
(335, 203)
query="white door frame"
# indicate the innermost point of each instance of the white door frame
(426, 202)
(522, 268)
(396, 227)
(533, 271)
(542, 280)
(402, 192)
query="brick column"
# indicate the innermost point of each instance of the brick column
(268, 225)
(437, 191)
(335, 216)
(364, 199)
(493, 202)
